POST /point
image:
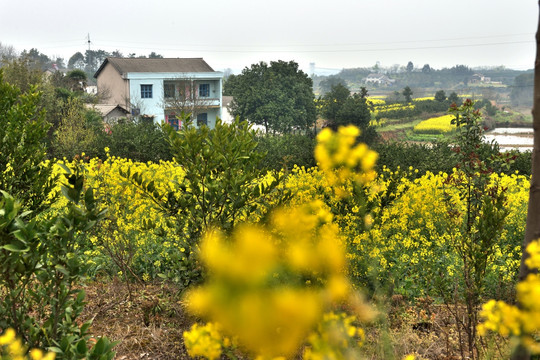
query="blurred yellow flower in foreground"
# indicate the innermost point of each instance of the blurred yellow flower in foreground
(509, 320)
(12, 348)
(270, 285)
(342, 161)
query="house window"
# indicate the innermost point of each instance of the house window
(204, 90)
(169, 90)
(173, 121)
(146, 91)
(202, 119)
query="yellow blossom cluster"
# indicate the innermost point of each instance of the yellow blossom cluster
(522, 322)
(205, 340)
(269, 285)
(385, 108)
(336, 337)
(343, 162)
(412, 236)
(12, 348)
(376, 101)
(130, 212)
(436, 125)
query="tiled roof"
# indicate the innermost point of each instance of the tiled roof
(105, 109)
(127, 65)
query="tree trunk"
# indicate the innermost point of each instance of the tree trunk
(532, 230)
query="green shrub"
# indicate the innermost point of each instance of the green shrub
(285, 151)
(23, 129)
(40, 270)
(135, 140)
(222, 186)
(434, 157)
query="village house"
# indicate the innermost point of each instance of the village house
(110, 113)
(378, 79)
(479, 78)
(161, 89)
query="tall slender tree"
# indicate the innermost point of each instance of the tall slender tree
(532, 230)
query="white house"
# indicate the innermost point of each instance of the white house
(160, 89)
(378, 79)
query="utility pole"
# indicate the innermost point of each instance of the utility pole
(89, 42)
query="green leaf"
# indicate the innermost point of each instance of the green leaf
(55, 349)
(85, 327)
(21, 236)
(99, 347)
(66, 192)
(62, 269)
(63, 166)
(89, 198)
(81, 347)
(16, 247)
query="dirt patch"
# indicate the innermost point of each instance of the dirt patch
(148, 324)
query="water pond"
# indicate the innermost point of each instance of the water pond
(512, 138)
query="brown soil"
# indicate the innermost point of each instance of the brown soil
(149, 324)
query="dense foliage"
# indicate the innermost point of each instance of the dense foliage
(286, 151)
(278, 96)
(22, 148)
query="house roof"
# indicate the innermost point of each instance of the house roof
(127, 65)
(106, 109)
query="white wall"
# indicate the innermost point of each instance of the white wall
(154, 106)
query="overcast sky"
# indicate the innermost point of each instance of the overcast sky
(237, 33)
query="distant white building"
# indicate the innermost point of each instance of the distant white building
(378, 79)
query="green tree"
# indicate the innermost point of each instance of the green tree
(460, 71)
(355, 111)
(220, 188)
(426, 69)
(77, 79)
(278, 96)
(76, 61)
(36, 59)
(333, 101)
(23, 130)
(481, 221)
(363, 92)
(20, 74)
(341, 108)
(440, 96)
(454, 98)
(407, 93)
(74, 134)
(410, 66)
(93, 60)
(327, 83)
(532, 229)
(153, 55)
